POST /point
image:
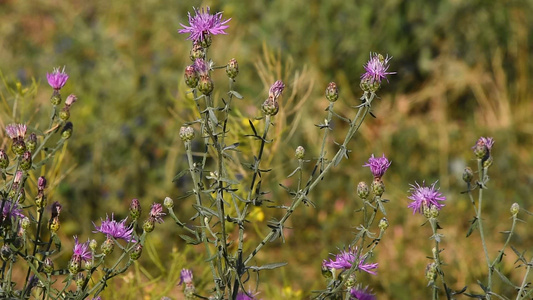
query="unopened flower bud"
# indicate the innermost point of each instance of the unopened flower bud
(270, 107)
(369, 85)
(197, 51)
(4, 159)
(18, 146)
(300, 152)
(351, 281)
(71, 99)
(66, 132)
(31, 143)
(363, 190)
(168, 203)
(488, 162)
(191, 76)
(136, 252)
(40, 200)
(135, 209)
(426, 210)
(74, 264)
(332, 92)
(80, 280)
(186, 133)
(25, 163)
(433, 212)
(326, 272)
(481, 150)
(515, 208)
(93, 244)
(431, 272)
(5, 253)
(205, 85)
(378, 187)
(468, 174)
(107, 246)
(56, 98)
(383, 224)
(232, 68)
(64, 114)
(54, 224)
(206, 41)
(48, 265)
(88, 264)
(148, 225)
(41, 183)
(25, 223)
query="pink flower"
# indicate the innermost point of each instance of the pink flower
(16, 131)
(378, 166)
(81, 251)
(204, 24)
(156, 212)
(57, 78)
(346, 259)
(118, 230)
(376, 68)
(427, 196)
(362, 294)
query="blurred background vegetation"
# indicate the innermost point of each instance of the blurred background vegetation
(463, 71)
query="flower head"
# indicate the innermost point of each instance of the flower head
(57, 78)
(276, 89)
(345, 260)
(427, 196)
(362, 294)
(185, 276)
(11, 210)
(16, 131)
(118, 230)
(156, 212)
(376, 68)
(486, 141)
(81, 251)
(201, 67)
(378, 165)
(204, 24)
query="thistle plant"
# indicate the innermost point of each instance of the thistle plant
(223, 200)
(31, 221)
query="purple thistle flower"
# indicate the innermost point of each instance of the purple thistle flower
(81, 251)
(16, 131)
(345, 260)
(11, 210)
(487, 141)
(156, 212)
(245, 296)
(276, 89)
(57, 78)
(204, 24)
(185, 276)
(378, 165)
(376, 68)
(118, 230)
(425, 196)
(362, 294)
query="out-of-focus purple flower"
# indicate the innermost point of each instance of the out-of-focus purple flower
(245, 296)
(16, 131)
(97, 298)
(487, 141)
(185, 276)
(118, 230)
(376, 68)
(428, 196)
(201, 67)
(378, 165)
(57, 78)
(362, 294)
(156, 212)
(11, 210)
(204, 24)
(345, 260)
(276, 89)
(81, 251)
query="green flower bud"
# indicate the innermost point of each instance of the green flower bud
(18, 146)
(66, 132)
(54, 225)
(136, 252)
(168, 203)
(433, 212)
(232, 68)
(80, 279)
(468, 174)
(197, 51)
(88, 264)
(74, 265)
(93, 244)
(363, 190)
(31, 143)
(431, 272)
(351, 281)
(186, 133)
(25, 223)
(300, 152)
(270, 107)
(148, 225)
(515, 208)
(56, 98)
(135, 209)
(205, 85)
(107, 246)
(369, 85)
(378, 187)
(64, 114)
(488, 162)
(5, 253)
(25, 163)
(332, 92)
(481, 150)
(383, 224)
(191, 77)
(206, 41)
(48, 265)
(4, 159)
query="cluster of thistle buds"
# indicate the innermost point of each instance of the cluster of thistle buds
(378, 166)
(57, 79)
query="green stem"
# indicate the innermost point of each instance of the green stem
(481, 233)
